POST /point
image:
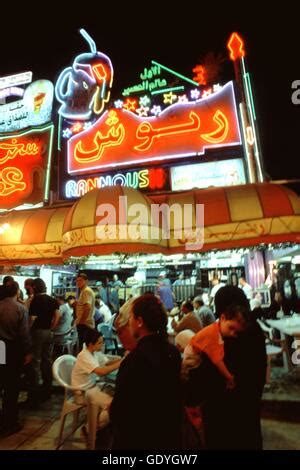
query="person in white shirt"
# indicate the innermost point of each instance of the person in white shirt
(248, 291)
(216, 285)
(90, 363)
(104, 310)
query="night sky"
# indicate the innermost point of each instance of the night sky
(134, 34)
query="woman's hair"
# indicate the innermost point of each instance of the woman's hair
(229, 295)
(153, 313)
(39, 286)
(91, 336)
(235, 312)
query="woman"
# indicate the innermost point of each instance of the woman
(146, 410)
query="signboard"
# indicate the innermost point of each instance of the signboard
(202, 175)
(33, 109)
(14, 80)
(24, 167)
(153, 179)
(156, 78)
(120, 138)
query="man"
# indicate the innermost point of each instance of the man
(189, 320)
(15, 335)
(7, 281)
(28, 286)
(216, 285)
(85, 308)
(66, 315)
(116, 281)
(248, 291)
(202, 312)
(44, 316)
(179, 281)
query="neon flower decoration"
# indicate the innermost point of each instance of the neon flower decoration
(236, 47)
(85, 87)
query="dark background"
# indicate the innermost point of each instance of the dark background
(45, 39)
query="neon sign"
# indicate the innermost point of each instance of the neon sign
(24, 167)
(84, 88)
(33, 109)
(153, 82)
(145, 179)
(121, 138)
(236, 47)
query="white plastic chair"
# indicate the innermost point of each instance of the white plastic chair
(62, 371)
(67, 341)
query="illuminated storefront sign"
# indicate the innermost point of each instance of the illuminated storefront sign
(24, 167)
(145, 180)
(14, 80)
(202, 175)
(153, 80)
(84, 88)
(120, 138)
(33, 109)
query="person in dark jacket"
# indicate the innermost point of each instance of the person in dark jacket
(16, 344)
(232, 417)
(146, 410)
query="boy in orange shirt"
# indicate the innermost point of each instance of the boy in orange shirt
(209, 340)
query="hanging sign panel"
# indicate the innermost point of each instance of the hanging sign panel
(120, 138)
(33, 109)
(24, 167)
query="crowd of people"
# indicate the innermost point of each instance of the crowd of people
(216, 365)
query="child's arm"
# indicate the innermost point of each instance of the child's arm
(225, 372)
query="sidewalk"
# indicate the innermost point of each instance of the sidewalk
(280, 419)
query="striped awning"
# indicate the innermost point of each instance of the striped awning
(112, 219)
(238, 216)
(32, 236)
(119, 219)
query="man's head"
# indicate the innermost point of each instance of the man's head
(115, 277)
(198, 302)
(8, 280)
(93, 340)
(215, 281)
(82, 281)
(39, 286)
(187, 307)
(28, 286)
(12, 289)
(242, 281)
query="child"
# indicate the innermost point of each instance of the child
(91, 363)
(209, 340)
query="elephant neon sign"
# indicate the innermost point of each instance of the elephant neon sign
(84, 88)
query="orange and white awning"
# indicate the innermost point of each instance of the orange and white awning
(236, 216)
(32, 237)
(239, 216)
